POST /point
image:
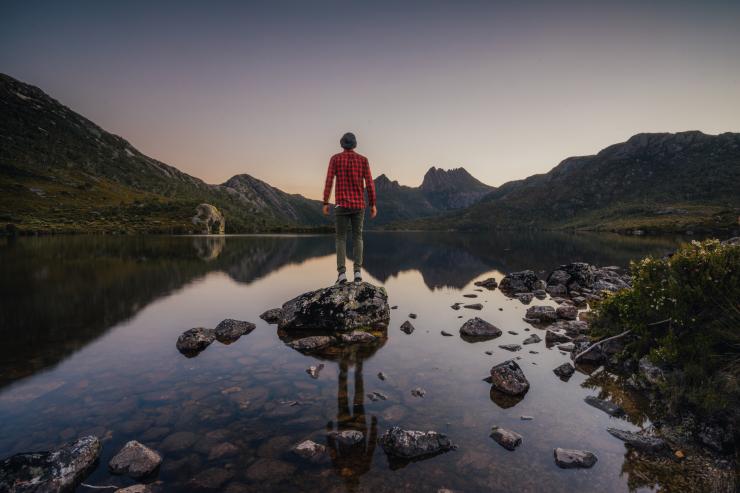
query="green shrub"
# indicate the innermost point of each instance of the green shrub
(685, 312)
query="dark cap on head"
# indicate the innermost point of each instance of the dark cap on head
(348, 141)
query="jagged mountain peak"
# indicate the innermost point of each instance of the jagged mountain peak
(457, 179)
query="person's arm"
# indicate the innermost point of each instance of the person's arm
(328, 184)
(370, 184)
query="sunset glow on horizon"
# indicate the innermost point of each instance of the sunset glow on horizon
(504, 89)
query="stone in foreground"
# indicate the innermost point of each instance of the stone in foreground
(311, 451)
(640, 441)
(60, 470)
(409, 444)
(564, 371)
(135, 460)
(341, 307)
(570, 458)
(272, 316)
(479, 328)
(230, 330)
(193, 341)
(506, 438)
(509, 378)
(607, 406)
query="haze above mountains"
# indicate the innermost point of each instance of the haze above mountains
(60, 172)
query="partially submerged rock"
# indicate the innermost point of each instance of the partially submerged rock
(474, 306)
(571, 458)
(567, 312)
(312, 451)
(479, 328)
(357, 337)
(341, 307)
(552, 337)
(594, 356)
(193, 341)
(60, 470)
(506, 438)
(564, 371)
(519, 282)
(230, 330)
(311, 343)
(511, 347)
(410, 444)
(640, 441)
(608, 407)
(489, 283)
(542, 314)
(407, 327)
(135, 460)
(346, 437)
(509, 378)
(272, 316)
(313, 371)
(532, 339)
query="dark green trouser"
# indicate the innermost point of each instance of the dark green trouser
(343, 219)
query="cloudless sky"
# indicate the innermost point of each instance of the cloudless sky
(504, 88)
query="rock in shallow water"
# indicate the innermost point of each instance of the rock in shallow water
(543, 314)
(564, 371)
(357, 337)
(640, 441)
(533, 339)
(567, 312)
(519, 282)
(509, 378)
(410, 444)
(608, 407)
(272, 316)
(56, 471)
(311, 451)
(511, 347)
(407, 327)
(570, 458)
(489, 283)
(311, 343)
(135, 460)
(193, 341)
(479, 328)
(341, 307)
(506, 438)
(230, 330)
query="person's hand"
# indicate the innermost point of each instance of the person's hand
(373, 212)
(326, 209)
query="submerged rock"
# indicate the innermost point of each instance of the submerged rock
(410, 444)
(489, 283)
(313, 371)
(341, 307)
(135, 460)
(346, 437)
(564, 371)
(272, 316)
(407, 327)
(193, 341)
(312, 451)
(230, 330)
(311, 343)
(60, 470)
(608, 407)
(640, 441)
(506, 438)
(479, 328)
(542, 314)
(418, 392)
(570, 458)
(509, 378)
(519, 282)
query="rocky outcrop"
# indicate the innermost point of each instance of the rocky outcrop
(579, 276)
(193, 341)
(230, 330)
(477, 328)
(508, 377)
(341, 307)
(506, 438)
(60, 470)
(519, 282)
(410, 444)
(570, 458)
(209, 220)
(135, 460)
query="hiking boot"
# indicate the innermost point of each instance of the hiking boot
(358, 276)
(341, 279)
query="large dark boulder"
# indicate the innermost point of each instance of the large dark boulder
(519, 282)
(230, 330)
(342, 307)
(477, 328)
(60, 470)
(508, 377)
(193, 341)
(410, 444)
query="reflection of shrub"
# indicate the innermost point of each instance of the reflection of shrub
(685, 312)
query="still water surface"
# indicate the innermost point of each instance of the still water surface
(88, 328)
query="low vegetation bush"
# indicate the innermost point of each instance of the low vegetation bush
(685, 313)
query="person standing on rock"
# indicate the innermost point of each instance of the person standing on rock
(350, 169)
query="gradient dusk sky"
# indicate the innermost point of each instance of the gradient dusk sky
(505, 89)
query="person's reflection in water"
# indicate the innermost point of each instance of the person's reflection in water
(352, 459)
(351, 455)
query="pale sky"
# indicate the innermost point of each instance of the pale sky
(505, 89)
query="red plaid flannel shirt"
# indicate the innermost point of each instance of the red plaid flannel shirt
(350, 169)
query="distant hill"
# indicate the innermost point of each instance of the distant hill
(61, 172)
(653, 182)
(440, 191)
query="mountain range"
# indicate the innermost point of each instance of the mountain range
(60, 172)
